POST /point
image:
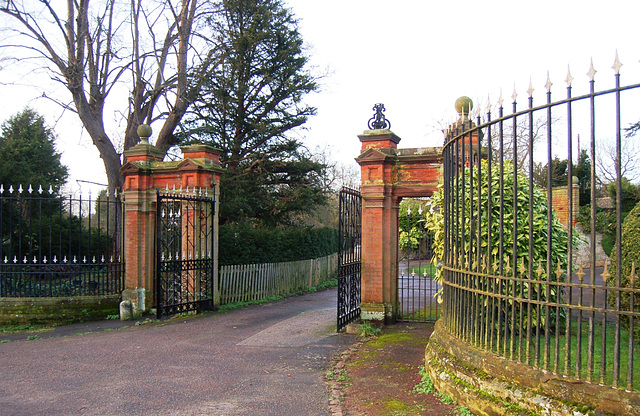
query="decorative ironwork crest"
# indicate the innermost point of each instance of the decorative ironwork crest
(378, 121)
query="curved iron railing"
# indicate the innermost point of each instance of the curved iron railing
(574, 317)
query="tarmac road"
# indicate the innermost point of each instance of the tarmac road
(261, 360)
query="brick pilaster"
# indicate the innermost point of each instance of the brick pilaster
(145, 172)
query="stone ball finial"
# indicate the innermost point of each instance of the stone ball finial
(144, 131)
(464, 105)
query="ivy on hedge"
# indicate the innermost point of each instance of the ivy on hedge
(247, 243)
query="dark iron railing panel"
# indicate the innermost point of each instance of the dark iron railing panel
(349, 256)
(572, 317)
(184, 249)
(55, 245)
(417, 289)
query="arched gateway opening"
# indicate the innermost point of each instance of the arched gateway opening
(388, 174)
(391, 287)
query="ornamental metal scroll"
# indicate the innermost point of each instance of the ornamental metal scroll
(378, 121)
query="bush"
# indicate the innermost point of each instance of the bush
(538, 235)
(247, 243)
(630, 257)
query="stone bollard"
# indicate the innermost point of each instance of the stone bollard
(126, 310)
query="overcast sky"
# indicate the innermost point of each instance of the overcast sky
(418, 57)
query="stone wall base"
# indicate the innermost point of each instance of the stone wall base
(491, 385)
(60, 310)
(141, 299)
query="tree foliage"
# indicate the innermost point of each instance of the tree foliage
(27, 153)
(94, 49)
(248, 106)
(559, 174)
(582, 171)
(247, 244)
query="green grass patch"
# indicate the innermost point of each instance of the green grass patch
(574, 361)
(430, 314)
(387, 339)
(425, 270)
(12, 328)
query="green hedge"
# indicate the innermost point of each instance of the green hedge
(250, 244)
(630, 258)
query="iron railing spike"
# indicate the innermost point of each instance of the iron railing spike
(1, 188)
(10, 189)
(515, 94)
(45, 260)
(25, 260)
(30, 190)
(569, 78)
(500, 99)
(50, 190)
(93, 260)
(15, 259)
(617, 64)
(488, 103)
(6, 260)
(530, 90)
(102, 259)
(40, 190)
(592, 72)
(64, 260)
(549, 83)
(187, 190)
(34, 260)
(55, 259)
(75, 260)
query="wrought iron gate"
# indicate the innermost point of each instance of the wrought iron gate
(349, 256)
(417, 288)
(185, 261)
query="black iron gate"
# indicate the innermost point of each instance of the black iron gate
(185, 257)
(349, 256)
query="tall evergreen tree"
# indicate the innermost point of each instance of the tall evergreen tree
(248, 106)
(27, 153)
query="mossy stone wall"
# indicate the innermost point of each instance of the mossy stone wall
(491, 385)
(60, 310)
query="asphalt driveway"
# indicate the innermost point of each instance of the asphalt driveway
(262, 360)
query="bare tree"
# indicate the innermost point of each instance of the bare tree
(91, 49)
(606, 160)
(522, 132)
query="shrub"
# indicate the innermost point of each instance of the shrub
(630, 258)
(491, 237)
(247, 243)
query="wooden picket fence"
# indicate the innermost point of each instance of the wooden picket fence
(247, 282)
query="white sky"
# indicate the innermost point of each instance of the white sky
(418, 57)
